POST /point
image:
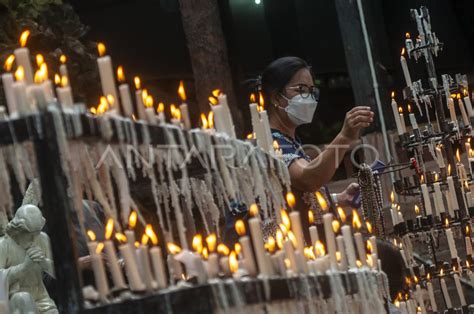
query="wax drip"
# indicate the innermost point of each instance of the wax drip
(5, 187)
(103, 173)
(198, 199)
(120, 178)
(156, 198)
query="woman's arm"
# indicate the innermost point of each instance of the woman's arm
(310, 176)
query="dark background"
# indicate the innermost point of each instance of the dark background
(147, 37)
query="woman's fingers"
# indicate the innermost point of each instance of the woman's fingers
(360, 118)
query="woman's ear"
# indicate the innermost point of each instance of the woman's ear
(277, 100)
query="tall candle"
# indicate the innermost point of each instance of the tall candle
(396, 115)
(128, 254)
(267, 130)
(452, 192)
(298, 230)
(402, 121)
(468, 243)
(313, 234)
(434, 307)
(145, 268)
(19, 90)
(330, 239)
(426, 199)
(7, 80)
(158, 267)
(360, 247)
(257, 127)
(112, 261)
(100, 277)
(459, 290)
(139, 99)
(452, 111)
(349, 245)
(451, 244)
(467, 101)
(64, 93)
(213, 265)
(439, 158)
(227, 116)
(464, 116)
(413, 122)
(125, 96)
(184, 107)
(258, 245)
(438, 199)
(406, 73)
(22, 57)
(447, 298)
(342, 252)
(419, 298)
(106, 74)
(290, 255)
(249, 261)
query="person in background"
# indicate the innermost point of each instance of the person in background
(288, 86)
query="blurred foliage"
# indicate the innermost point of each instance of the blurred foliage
(55, 30)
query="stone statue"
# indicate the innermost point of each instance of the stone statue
(24, 255)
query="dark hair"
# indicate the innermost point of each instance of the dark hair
(278, 73)
(393, 265)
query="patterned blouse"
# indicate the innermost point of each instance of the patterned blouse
(292, 150)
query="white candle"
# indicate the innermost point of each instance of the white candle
(419, 298)
(373, 243)
(150, 116)
(290, 255)
(438, 199)
(297, 230)
(452, 192)
(439, 158)
(128, 254)
(451, 244)
(349, 245)
(213, 265)
(126, 98)
(140, 105)
(19, 89)
(258, 245)
(22, 58)
(266, 130)
(406, 73)
(63, 70)
(426, 199)
(402, 122)
(224, 263)
(185, 116)
(7, 80)
(219, 120)
(467, 101)
(130, 234)
(342, 252)
(459, 290)
(396, 116)
(257, 127)
(468, 242)
(465, 119)
(452, 111)
(65, 96)
(447, 298)
(145, 268)
(158, 267)
(115, 270)
(249, 261)
(330, 239)
(106, 74)
(360, 247)
(100, 277)
(229, 124)
(434, 307)
(413, 122)
(313, 234)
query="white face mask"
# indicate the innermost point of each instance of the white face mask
(300, 109)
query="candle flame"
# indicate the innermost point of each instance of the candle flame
(467, 264)
(211, 241)
(9, 63)
(356, 224)
(216, 93)
(149, 101)
(213, 101)
(252, 98)
(283, 229)
(310, 216)
(441, 272)
(210, 119)
(144, 95)
(99, 248)
(403, 51)
(250, 136)
(449, 169)
(132, 219)
(369, 226)
(145, 239)
(270, 245)
(237, 248)
(223, 249)
(64, 81)
(321, 200)
(233, 263)
(101, 49)
(292, 238)
(417, 210)
(369, 246)
(392, 197)
(138, 83)
(400, 109)
(197, 243)
(468, 230)
(276, 146)
(205, 253)
(342, 214)
(39, 59)
(290, 199)
(253, 211)
(110, 100)
(336, 225)
(109, 228)
(319, 248)
(91, 235)
(173, 248)
(287, 263)
(369, 260)
(161, 107)
(436, 177)
(285, 219)
(181, 91)
(458, 155)
(120, 237)
(446, 222)
(471, 152)
(458, 96)
(120, 74)
(240, 227)
(57, 79)
(151, 234)
(63, 59)
(308, 253)
(205, 124)
(261, 100)
(279, 239)
(24, 38)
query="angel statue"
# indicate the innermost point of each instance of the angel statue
(24, 255)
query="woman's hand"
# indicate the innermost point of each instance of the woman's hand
(347, 196)
(356, 119)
